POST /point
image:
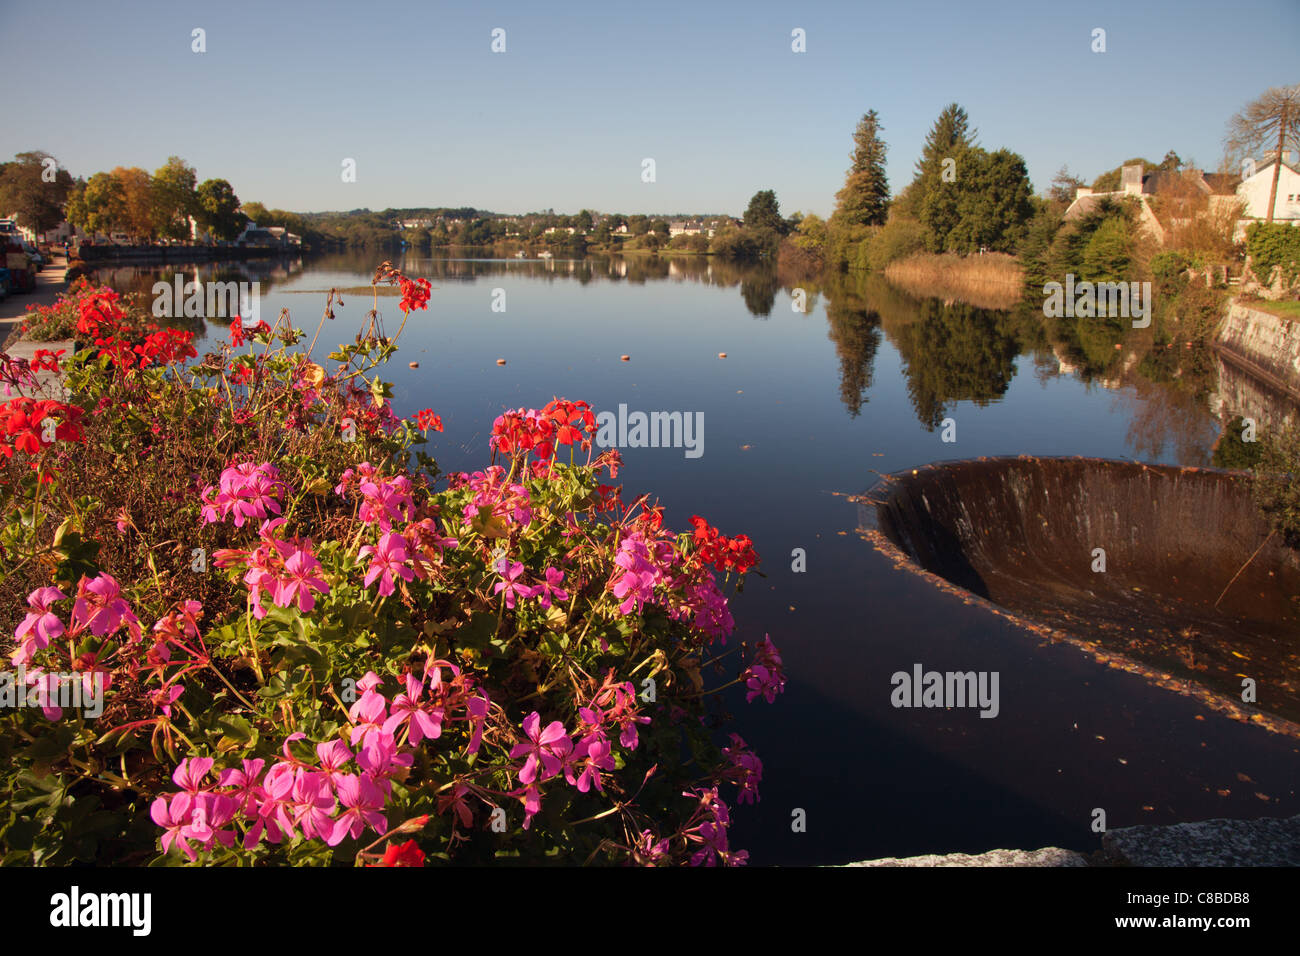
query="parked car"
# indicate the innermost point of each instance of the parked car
(5, 282)
(119, 239)
(21, 267)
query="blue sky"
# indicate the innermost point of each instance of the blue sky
(711, 91)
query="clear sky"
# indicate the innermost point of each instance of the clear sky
(585, 91)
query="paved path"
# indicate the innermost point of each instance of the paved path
(50, 281)
(48, 384)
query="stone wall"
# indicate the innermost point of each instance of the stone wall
(1266, 345)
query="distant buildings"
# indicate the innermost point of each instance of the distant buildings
(692, 227)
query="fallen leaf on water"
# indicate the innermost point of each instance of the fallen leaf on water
(1223, 793)
(1243, 778)
(1262, 796)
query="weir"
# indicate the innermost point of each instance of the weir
(1022, 534)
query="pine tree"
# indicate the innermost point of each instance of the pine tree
(864, 200)
(950, 132)
(950, 136)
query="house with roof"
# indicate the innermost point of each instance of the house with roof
(1179, 196)
(1131, 185)
(1255, 188)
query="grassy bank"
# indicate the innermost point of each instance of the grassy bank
(1283, 310)
(992, 281)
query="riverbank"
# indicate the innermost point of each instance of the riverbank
(1264, 343)
(99, 255)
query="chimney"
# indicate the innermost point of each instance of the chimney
(1131, 179)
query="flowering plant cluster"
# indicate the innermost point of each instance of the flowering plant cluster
(353, 659)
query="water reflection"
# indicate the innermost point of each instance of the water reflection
(951, 351)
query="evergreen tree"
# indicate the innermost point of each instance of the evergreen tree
(864, 199)
(948, 138)
(951, 131)
(764, 213)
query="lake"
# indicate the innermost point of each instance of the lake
(807, 407)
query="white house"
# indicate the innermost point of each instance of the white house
(1254, 192)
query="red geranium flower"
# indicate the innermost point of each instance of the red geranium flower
(408, 854)
(427, 420)
(415, 293)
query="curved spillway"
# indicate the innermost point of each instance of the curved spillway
(1024, 534)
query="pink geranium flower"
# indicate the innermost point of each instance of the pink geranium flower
(101, 608)
(40, 626)
(363, 800)
(247, 491)
(299, 580)
(549, 590)
(174, 817)
(190, 774)
(593, 755)
(546, 750)
(423, 720)
(388, 561)
(510, 573)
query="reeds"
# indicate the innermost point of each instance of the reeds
(990, 281)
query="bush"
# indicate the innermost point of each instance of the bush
(1232, 451)
(1274, 249)
(297, 642)
(684, 243)
(897, 239)
(1277, 492)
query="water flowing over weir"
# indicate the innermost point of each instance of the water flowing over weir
(1022, 534)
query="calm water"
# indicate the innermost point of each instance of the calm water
(806, 407)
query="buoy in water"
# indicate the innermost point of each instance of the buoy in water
(501, 361)
(415, 364)
(722, 355)
(625, 358)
